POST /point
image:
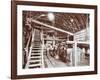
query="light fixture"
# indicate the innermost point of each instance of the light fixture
(51, 16)
(71, 20)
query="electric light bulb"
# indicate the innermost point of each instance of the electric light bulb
(51, 16)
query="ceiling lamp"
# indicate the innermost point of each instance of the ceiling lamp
(51, 16)
(71, 20)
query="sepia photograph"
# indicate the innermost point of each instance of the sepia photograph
(53, 39)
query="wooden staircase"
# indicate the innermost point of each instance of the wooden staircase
(35, 56)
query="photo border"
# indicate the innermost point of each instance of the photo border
(14, 38)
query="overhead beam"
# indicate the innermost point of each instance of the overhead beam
(46, 25)
(79, 42)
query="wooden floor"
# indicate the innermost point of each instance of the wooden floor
(51, 62)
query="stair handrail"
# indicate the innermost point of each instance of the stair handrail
(27, 46)
(28, 57)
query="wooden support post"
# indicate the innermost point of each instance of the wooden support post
(76, 56)
(71, 58)
(42, 52)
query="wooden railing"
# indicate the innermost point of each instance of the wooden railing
(28, 45)
(30, 48)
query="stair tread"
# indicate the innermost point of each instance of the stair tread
(35, 60)
(36, 51)
(35, 67)
(37, 44)
(32, 65)
(35, 57)
(37, 47)
(34, 47)
(36, 54)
